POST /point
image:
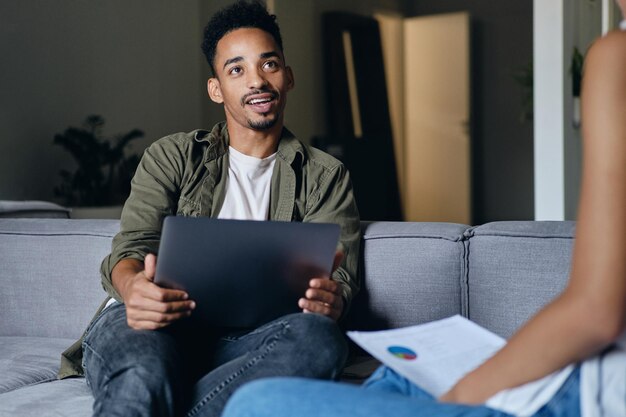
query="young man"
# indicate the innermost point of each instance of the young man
(140, 358)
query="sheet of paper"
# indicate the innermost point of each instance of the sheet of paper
(433, 355)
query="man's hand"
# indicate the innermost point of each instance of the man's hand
(324, 295)
(148, 306)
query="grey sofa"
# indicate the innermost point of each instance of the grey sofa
(497, 274)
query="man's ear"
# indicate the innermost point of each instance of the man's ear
(215, 92)
(290, 80)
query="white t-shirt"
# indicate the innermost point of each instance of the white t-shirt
(247, 187)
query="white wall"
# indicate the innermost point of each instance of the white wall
(136, 63)
(559, 25)
(549, 108)
(139, 65)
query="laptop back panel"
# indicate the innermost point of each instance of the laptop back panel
(243, 273)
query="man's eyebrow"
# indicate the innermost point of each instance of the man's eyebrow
(269, 54)
(232, 61)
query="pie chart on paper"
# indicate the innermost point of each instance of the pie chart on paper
(402, 352)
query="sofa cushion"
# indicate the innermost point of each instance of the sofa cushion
(50, 276)
(410, 274)
(29, 360)
(515, 268)
(67, 398)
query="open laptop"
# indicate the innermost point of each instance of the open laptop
(243, 273)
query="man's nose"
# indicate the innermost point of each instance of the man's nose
(256, 79)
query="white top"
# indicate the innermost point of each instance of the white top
(247, 187)
(603, 383)
(527, 399)
(602, 387)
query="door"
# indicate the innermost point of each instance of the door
(436, 118)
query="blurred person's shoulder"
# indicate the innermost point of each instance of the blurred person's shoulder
(610, 49)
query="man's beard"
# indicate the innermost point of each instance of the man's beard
(266, 123)
(262, 124)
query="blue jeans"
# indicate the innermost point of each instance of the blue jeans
(385, 393)
(182, 370)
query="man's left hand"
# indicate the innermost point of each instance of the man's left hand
(324, 295)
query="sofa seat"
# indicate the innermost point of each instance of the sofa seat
(67, 398)
(27, 360)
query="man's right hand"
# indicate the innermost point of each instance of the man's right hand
(148, 306)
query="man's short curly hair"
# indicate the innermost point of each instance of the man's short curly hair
(242, 14)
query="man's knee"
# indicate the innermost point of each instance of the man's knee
(111, 347)
(320, 340)
(315, 328)
(139, 390)
(150, 369)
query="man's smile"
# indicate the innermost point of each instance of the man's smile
(260, 102)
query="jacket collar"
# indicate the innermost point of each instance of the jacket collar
(289, 148)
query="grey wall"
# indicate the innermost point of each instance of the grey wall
(136, 63)
(502, 146)
(212, 112)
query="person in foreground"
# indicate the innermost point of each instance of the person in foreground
(140, 356)
(569, 359)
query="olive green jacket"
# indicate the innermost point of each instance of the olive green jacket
(185, 174)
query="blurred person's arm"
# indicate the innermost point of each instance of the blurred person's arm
(590, 313)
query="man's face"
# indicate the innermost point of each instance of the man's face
(251, 79)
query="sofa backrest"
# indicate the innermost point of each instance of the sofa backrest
(409, 274)
(497, 274)
(49, 274)
(514, 269)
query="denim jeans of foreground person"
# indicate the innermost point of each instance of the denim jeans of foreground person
(164, 372)
(384, 394)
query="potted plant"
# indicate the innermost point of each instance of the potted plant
(524, 78)
(104, 168)
(576, 69)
